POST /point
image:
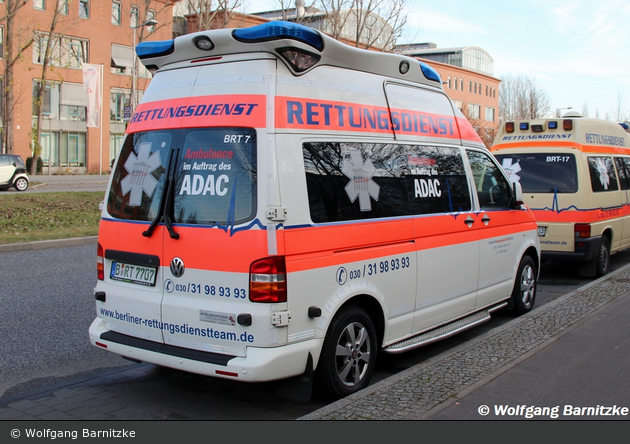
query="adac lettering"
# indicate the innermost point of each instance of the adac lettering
(353, 117)
(210, 109)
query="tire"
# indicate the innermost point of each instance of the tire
(348, 356)
(21, 184)
(602, 260)
(524, 292)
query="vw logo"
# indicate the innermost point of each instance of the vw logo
(177, 267)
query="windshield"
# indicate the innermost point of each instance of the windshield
(542, 172)
(212, 180)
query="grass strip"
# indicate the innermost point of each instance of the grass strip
(46, 216)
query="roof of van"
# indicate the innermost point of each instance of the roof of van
(575, 132)
(292, 43)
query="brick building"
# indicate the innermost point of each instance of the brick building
(87, 32)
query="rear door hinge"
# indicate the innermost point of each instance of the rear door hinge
(281, 319)
(277, 214)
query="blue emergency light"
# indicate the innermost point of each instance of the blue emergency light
(155, 49)
(430, 73)
(279, 30)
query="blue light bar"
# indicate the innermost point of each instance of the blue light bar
(155, 49)
(552, 124)
(523, 126)
(430, 73)
(278, 30)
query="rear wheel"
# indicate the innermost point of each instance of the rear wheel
(602, 260)
(348, 355)
(524, 293)
(21, 184)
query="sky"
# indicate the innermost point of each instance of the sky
(577, 52)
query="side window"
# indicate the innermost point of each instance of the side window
(493, 190)
(623, 169)
(354, 181)
(602, 171)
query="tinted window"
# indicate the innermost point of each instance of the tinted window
(213, 180)
(623, 169)
(216, 177)
(602, 172)
(351, 181)
(493, 190)
(541, 172)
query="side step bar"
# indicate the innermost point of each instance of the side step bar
(443, 331)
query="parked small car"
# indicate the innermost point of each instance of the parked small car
(12, 172)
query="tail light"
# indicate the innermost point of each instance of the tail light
(268, 280)
(582, 230)
(100, 263)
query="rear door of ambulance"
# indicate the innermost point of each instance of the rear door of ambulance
(184, 203)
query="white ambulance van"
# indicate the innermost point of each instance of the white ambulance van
(575, 176)
(287, 205)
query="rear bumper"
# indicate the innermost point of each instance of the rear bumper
(260, 364)
(581, 254)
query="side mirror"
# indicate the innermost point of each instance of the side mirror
(518, 194)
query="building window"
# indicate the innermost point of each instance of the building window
(150, 16)
(448, 82)
(474, 111)
(84, 9)
(39, 4)
(65, 52)
(119, 99)
(116, 11)
(470, 86)
(115, 144)
(461, 84)
(133, 17)
(63, 7)
(455, 83)
(1, 42)
(49, 100)
(490, 114)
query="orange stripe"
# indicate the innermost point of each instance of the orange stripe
(200, 111)
(600, 149)
(574, 216)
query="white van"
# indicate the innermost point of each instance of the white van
(575, 176)
(285, 204)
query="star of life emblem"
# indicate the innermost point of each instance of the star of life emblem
(604, 178)
(361, 184)
(512, 169)
(140, 178)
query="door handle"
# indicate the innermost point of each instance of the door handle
(485, 219)
(469, 221)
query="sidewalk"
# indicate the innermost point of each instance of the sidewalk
(574, 351)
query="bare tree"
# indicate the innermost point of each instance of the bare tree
(369, 24)
(619, 113)
(521, 99)
(17, 39)
(48, 50)
(211, 14)
(585, 109)
(485, 132)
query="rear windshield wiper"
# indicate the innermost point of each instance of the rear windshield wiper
(165, 205)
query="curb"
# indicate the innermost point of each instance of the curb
(38, 245)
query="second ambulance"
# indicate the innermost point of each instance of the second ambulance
(575, 175)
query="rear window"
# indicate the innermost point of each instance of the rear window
(542, 172)
(195, 176)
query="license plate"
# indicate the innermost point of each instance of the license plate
(133, 274)
(542, 231)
